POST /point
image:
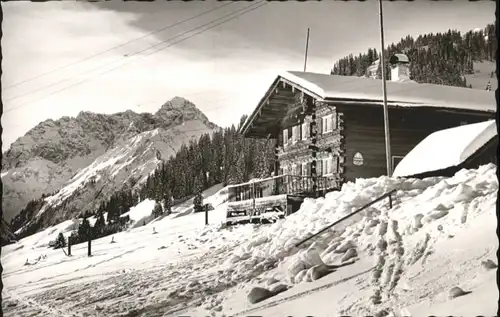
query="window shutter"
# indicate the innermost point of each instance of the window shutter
(335, 167)
(308, 169)
(285, 137)
(319, 167)
(334, 121)
(319, 127)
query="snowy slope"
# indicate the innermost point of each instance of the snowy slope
(215, 196)
(482, 75)
(434, 238)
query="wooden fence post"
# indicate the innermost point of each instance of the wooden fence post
(206, 214)
(69, 246)
(89, 246)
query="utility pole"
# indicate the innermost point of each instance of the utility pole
(388, 155)
(307, 49)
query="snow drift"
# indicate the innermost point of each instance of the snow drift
(446, 148)
(425, 212)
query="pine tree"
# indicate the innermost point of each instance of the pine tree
(158, 210)
(167, 202)
(198, 202)
(100, 223)
(60, 241)
(84, 230)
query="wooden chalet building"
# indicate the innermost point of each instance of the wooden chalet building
(330, 130)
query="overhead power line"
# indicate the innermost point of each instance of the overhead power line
(245, 10)
(117, 46)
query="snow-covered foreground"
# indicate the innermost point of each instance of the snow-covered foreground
(400, 261)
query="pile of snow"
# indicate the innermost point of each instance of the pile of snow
(446, 148)
(141, 211)
(436, 206)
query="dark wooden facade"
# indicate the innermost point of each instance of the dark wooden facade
(364, 134)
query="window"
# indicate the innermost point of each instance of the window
(319, 167)
(295, 133)
(326, 167)
(305, 169)
(395, 161)
(327, 123)
(305, 130)
(330, 165)
(285, 137)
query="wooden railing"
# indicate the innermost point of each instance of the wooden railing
(388, 194)
(281, 185)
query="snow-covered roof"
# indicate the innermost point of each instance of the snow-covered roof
(327, 87)
(446, 148)
(399, 58)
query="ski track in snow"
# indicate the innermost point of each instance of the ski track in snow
(424, 245)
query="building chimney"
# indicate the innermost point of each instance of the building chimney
(400, 67)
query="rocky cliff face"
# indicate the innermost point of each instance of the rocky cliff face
(78, 162)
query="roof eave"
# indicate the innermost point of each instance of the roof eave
(280, 78)
(244, 128)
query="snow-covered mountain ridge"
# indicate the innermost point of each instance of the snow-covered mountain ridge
(78, 162)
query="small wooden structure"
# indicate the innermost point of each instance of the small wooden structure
(446, 152)
(330, 129)
(278, 196)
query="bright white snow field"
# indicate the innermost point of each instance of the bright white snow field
(437, 236)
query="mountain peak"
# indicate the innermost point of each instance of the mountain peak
(179, 109)
(178, 103)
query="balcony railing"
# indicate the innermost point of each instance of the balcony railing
(281, 185)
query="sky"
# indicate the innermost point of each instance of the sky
(61, 58)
